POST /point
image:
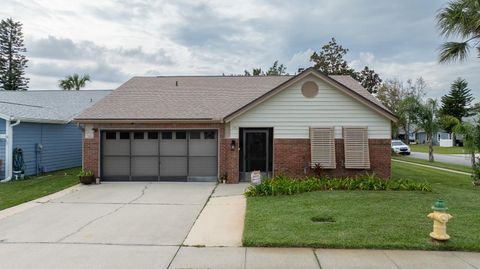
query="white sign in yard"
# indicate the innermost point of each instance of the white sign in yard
(256, 177)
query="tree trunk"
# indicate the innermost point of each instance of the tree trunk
(407, 134)
(454, 139)
(473, 159)
(430, 149)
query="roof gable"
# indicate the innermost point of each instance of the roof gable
(345, 84)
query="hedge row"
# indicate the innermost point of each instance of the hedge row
(282, 185)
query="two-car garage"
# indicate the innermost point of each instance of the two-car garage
(159, 155)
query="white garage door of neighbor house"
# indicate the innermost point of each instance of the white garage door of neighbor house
(167, 155)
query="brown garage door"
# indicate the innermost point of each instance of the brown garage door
(166, 155)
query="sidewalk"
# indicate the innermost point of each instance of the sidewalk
(279, 258)
(220, 224)
(433, 167)
(215, 240)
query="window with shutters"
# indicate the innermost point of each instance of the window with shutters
(322, 146)
(356, 147)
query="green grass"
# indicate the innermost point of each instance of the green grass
(16, 192)
(369, 219)
(457, 167)
(437, 149)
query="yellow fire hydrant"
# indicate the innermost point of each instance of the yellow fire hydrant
(440, 218)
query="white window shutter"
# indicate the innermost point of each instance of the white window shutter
(322, 146)
(356, 147)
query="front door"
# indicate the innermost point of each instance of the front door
(255, 150)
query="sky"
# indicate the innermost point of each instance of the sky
(115, 40)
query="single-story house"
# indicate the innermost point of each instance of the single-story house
(200, 128)
(421, 137)
(40, 123)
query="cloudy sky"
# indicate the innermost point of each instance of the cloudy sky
(114, 40)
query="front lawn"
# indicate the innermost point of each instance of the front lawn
(452, 166)
(16, 192)
(368, 219)
(437, 149)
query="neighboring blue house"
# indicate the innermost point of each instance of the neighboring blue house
(40, 123)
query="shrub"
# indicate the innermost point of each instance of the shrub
(317, 170)
(85, 173)
(282, 185)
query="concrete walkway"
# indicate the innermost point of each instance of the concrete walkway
(220, 223)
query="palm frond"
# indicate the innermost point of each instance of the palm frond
(459, 18)
(452, 51)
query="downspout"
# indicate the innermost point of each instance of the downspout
(9, 149)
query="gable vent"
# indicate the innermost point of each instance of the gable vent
(356, 147)
(322, 146)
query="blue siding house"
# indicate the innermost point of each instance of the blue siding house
(40, 123)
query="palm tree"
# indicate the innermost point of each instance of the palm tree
(426, 118)
(73, 82)
(460, 18)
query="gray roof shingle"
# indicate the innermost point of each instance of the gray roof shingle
(47, 106)
(192, 97)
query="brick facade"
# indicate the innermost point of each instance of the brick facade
(291, 156)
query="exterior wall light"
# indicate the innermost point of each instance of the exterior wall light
(232, 145)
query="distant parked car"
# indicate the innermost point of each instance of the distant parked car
(399, 147)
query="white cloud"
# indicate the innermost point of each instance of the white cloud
(210, 37)
(438, 76)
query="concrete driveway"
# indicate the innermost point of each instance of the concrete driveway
(112, 225)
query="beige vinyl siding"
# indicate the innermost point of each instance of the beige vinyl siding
(291, 114)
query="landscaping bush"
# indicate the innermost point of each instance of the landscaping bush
(476, 173)
(282, 185)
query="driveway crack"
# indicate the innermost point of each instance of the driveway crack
(104, 215)
(141, 194)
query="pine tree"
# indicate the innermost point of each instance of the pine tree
(12, 59)
(457, 102)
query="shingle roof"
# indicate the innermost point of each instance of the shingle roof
(47, 106)
(193, 97)
(354, 85)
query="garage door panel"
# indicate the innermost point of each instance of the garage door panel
(145, 147)
(202, 166)
(173, 147)
(203, 147)
(177, 155)
(145, 167)
(173, 166)
(116, 147)
(116, 166)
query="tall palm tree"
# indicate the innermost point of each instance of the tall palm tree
(73, 82)
(461, 19)
(426, 119)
